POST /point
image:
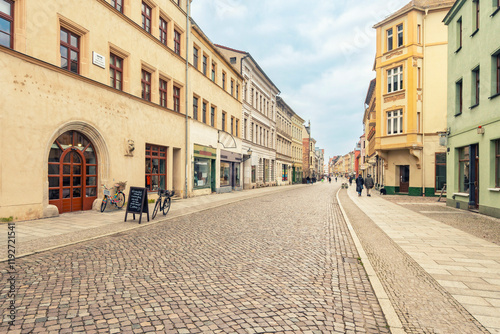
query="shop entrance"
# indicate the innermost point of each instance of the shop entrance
(72, 173)
(404, 178)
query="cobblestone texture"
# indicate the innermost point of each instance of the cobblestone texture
(282, 263)
(422, 305)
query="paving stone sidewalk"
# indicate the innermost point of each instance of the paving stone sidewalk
(439, 278)
(44, 234)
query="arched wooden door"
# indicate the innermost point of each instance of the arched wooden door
(72, 173)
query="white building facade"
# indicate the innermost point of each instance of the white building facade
(258, 120)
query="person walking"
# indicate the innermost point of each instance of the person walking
(369, 184)
(350, 180)
(359, 184)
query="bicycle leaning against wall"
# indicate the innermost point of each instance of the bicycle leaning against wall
(118, 199)
(163, 202)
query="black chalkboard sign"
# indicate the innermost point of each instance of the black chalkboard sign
(137, 202)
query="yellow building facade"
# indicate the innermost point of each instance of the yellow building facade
(411, 96)
(96, 92)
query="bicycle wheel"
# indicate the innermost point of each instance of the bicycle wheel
(157, 206)
(120, 200)
(166, 205)
(104, 203)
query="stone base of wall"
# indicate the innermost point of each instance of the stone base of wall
(464, 205)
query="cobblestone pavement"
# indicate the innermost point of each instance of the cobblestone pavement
(421, 303)
(281, 263)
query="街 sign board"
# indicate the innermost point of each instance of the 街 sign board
(137, 202)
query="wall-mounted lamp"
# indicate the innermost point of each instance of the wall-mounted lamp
(248, 155)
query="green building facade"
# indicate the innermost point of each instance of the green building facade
(473, 138)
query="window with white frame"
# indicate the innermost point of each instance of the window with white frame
(395, 122)
(400, 35)
(389, 39)
(395, 79)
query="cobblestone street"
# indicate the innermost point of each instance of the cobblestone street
(283, 262)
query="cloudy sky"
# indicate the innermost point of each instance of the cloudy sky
(320, 54)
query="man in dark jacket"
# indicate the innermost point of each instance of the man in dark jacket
(369, 184)
(359, 184)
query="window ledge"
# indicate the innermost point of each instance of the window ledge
(472, 107)
(494, 189)
(496, 11)
(460, 48)
(493, 96)
(461, 194)
(475, 32)
(458, 114)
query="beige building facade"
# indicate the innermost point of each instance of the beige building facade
(297, 167)
(284, 159)
(411, 96)
(104, 91)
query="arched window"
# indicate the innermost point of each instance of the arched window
(72, 173)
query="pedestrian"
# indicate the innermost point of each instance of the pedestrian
(329, 179)
(369, 184)
(359, 184)
(350, 180)
(308, 180)
(335, 178)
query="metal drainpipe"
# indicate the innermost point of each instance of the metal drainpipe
(186, 99)
(423, 111)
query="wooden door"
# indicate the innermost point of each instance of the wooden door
(404, 178)
(72, 184)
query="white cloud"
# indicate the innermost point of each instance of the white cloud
(319, 54)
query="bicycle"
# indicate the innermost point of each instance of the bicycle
(164, 205)
(118, 199)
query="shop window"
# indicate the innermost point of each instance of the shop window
(463, 168)
(440, 171)
(156, 167)
(7, 23)
(237, 175)
(497, 163)
(202, 173)
(70, 51)
(225, 174)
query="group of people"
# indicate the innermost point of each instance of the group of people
(360, 182)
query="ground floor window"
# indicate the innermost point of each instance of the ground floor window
(156, 167)
(202, 173)
(254, 174)
(497, 163)
(440, 171)
(463, 175)
(284, 176)
(237, 169)
(225, 174)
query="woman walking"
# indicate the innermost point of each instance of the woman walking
(359, 184)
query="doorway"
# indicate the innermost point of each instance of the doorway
(72, 173)
(404, 178)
